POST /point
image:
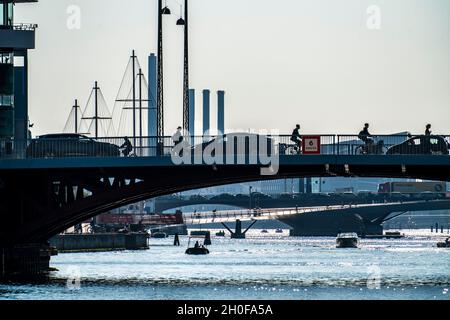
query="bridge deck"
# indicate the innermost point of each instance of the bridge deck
(275, 214)
(140, 162)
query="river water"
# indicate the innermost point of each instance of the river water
(270, 267)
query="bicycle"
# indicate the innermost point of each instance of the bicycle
(371, 148)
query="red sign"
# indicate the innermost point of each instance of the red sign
(311, 145)
(159, 219)
(115, 219)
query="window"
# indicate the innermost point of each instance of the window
(7, 14)
(2, 16)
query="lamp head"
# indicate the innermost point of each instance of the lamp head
(166, 10)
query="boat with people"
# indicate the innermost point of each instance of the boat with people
(445, 244)
(347, 240)
(198, 248)
(220, 234)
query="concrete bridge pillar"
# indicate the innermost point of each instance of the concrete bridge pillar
(25, 261)
(238, 233)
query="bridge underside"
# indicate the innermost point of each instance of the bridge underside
(41, 198)
(37, 203)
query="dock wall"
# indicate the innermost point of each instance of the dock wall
(100, 242)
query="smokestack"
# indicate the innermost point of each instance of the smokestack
(152, 102)
(206, 111)
(221, 112)
(192, 114)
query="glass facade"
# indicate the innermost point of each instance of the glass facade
(7, 15)
(6, 94)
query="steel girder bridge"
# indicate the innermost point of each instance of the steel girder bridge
(41, 197)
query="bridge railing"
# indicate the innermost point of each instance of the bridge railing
(261, 214)
(393, 145)
(67, 147)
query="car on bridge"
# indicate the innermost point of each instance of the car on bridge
(237, 144)
(421, 145)
(70, 145)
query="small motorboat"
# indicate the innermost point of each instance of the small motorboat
(220, 234)
(347, 240)
(279, 231)
(264, 231)
(159, 235)
(445, 244)
(197, 249)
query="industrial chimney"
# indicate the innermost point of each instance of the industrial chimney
(221, 112)
(152, 102)
(206, 112)
(192, 114)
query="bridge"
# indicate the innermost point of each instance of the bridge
(163, 204)
(44, 193)
(366, 219)
(42, 197)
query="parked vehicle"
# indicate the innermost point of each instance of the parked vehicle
(70, 145)
(412, 188)
(436, 145)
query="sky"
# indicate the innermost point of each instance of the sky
(313, 62)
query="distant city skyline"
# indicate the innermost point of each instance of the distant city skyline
(280, 62)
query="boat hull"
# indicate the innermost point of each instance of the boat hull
(197, 251)
(346, 243)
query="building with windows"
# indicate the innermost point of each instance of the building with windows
(15, 41)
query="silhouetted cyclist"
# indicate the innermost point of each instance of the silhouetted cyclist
(296, 137)
(127, 147)
(365, 136)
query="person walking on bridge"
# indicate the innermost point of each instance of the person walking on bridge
(428, 130)
(177, 137)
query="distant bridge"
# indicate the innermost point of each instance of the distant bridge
(323, 220)
(298, 200)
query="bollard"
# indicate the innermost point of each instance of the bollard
(207, 239)
(176, 241)
(437, 227)
(442, 229)
(431, 229)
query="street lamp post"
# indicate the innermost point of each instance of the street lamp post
(185, 22)
(250, 197)
(160, 99)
